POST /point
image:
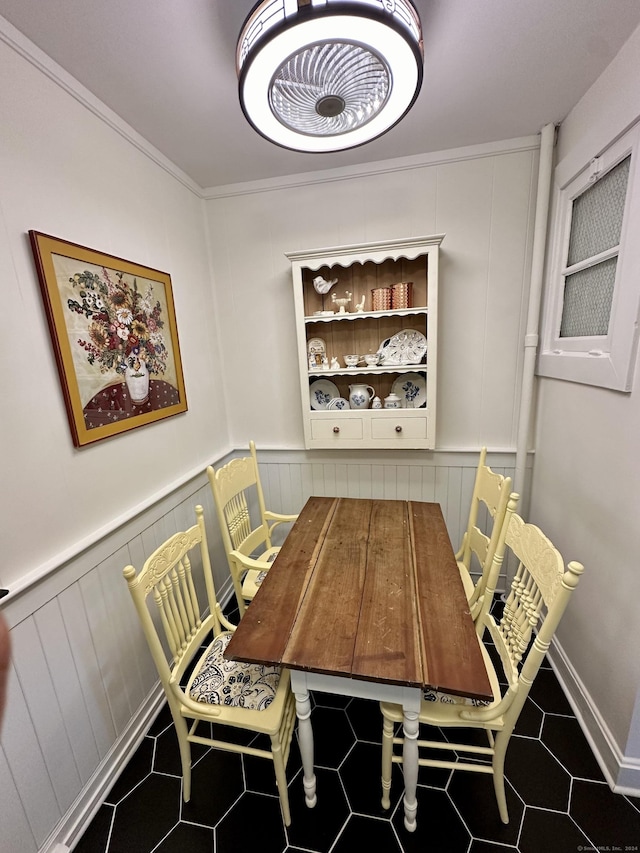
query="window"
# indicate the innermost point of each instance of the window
(590, 328)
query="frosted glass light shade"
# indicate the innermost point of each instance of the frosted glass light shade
(330, 75)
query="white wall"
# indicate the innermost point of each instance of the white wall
(481, 198)
(586, 481)
(65, 172)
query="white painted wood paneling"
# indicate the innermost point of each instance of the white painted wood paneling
(27, 765)
(36, 682)
(124, 628)
(92, 690)
(15, 833)
(105, 642)
(66, 686)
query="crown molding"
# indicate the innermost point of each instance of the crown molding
(14, 39)
(365, 170)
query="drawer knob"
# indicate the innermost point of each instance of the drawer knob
(398, 428)
(336, 429)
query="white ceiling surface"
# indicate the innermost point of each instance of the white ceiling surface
(494, 70)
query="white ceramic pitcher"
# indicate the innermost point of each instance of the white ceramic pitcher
(360, 396)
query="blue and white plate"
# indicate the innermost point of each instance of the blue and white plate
(321, 392)
(412, 390)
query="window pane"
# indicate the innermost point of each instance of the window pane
(596, 218)
(587, 300)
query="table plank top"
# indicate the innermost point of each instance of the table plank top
(366, 589)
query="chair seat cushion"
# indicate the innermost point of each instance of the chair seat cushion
(219, 681)
(430, 695)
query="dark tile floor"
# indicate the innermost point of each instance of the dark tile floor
(558, 799)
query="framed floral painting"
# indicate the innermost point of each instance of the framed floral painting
(115, 338)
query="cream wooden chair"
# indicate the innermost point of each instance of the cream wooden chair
(491, 492)
(249, 549)
(537, 599)
(217, 690)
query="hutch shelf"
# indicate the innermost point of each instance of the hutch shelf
(327, 332)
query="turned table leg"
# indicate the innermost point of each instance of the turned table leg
(305, 739)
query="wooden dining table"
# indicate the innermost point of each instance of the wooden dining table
(365, 599)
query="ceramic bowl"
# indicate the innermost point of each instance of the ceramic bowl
(351, 360)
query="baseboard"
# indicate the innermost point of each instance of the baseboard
(622, 773)
(70, 828)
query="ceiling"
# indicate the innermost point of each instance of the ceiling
(494, 70)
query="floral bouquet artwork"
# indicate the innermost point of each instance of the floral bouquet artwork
(125, 328)
(115, 339)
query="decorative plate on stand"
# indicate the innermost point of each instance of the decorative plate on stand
(412, 390)
(406, 347)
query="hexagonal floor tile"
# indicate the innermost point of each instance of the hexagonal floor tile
(535, 774)
(216, 783)
(187, 836)
(474, 796)
(253, 823)
(96, 836)
(361, 777)
(137, 769)
(366, 719)
(548, 760)
(316, 829)
(146, 815)
(550, 832)
(259, 773)
(333, 736)
(564, 737)
(609, 820)
(439, 826)
(530, 720)
(547, 694)
(367, 833)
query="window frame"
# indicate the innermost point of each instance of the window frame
(607, 360)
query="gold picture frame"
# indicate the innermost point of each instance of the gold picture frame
(115, 338)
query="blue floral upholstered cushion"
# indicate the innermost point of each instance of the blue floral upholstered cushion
(219, 681)
(430, 695)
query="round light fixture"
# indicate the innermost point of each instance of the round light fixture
(326, 75)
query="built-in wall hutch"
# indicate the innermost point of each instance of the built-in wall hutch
(377, 302)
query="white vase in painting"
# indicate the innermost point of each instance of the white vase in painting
(136, 377)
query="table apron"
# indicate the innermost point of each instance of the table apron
(408, 697)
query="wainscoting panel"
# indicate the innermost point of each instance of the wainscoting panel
(82, 681)
(91, 700)
(15, 832)
(67, 688)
